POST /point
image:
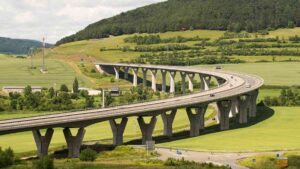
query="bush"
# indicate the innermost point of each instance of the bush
(88, 155)
(43, 163)
(6, 157)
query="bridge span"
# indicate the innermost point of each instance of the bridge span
(235, 96)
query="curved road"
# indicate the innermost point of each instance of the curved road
(235, 85)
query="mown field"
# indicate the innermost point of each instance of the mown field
(277, 73)
(100, 132)
(18, 72)
(90, 50)
(277, 132)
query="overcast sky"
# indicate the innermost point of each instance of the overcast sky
(54, 19)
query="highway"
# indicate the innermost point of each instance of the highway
(236, 84)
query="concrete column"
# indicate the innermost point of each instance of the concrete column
(253, 107)
(135, 76)
(118, 130)
(164, 81)
(224, 108)
(153, 75)
(243, 102)
(197, 120)
(147, 129)
(74, 142)
(117, 75)
(168, 122)
(172, 82)
(42, 142)
(126, 69)
(205, 81)
(183, 76)
(234, 107)
(220, 81)
(144, 70)
(190, 79)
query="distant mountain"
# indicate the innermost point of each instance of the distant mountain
(19, 46)
(174, 15)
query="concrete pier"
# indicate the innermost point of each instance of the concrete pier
(253, 107)
(243, 102)
(224, 108)
(117, 74)
(190, 79)
(74, 142)
(153, 79)
(197, 120)
(144, 70)
(164, 81)
(42, 142)
(172, 82)
(205, 81)
(147, 129)
(183, 77)
(234, 107)
(126, 69)
(168, 122)
(118, 130)
(135, 76)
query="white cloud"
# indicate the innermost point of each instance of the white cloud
(33, 19)
(24, 17)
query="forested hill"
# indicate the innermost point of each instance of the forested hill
(174, 15)
(19, 46)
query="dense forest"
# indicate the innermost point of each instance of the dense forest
(175, 15)
(19, 46)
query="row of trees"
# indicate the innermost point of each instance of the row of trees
(175, 15)
(156, 39)
(184, 59)
(288, 97)
(48, 99)
(228, 51)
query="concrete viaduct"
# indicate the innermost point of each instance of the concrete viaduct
(235, 95)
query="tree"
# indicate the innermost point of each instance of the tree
(27, 91)
(75, 86)
(89, 101)
(108, 99)
(51, 92)
(64, 88)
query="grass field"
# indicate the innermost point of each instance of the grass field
(277, 73)
(279, 132)
(99, 131)
(17, 72)
(91, 48)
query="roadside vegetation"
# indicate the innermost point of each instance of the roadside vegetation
(269, 161)
(120, 157)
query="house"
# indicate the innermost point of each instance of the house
(20, 89)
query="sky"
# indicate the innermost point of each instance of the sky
(55, 19)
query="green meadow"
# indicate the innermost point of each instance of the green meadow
(279, 131)
(18, 72)
(100, 132)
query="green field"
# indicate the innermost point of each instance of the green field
(91, 48)
(277, 73)
(99, 131)
(17, 72)
(279, 132)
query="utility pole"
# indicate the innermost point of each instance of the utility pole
(44, 68)
(31, 55)
(103, 98)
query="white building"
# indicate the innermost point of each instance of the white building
(20, 89)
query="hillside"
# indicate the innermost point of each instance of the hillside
(174, 15)
(19, 46)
